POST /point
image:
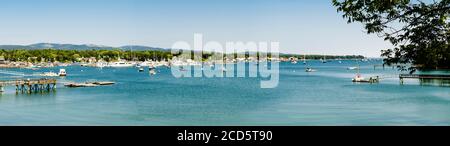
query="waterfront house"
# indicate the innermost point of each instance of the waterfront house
(3, 60)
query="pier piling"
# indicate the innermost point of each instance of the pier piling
(30, 85)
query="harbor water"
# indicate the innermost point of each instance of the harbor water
(325, 97)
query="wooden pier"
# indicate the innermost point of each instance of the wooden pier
(30, 85)
(423, 76)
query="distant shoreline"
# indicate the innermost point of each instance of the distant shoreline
(23, 58)
(85, 47)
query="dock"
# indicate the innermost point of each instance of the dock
(423, 76)
(89, 84)
(30, 85)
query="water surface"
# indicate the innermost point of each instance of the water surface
(326, 97)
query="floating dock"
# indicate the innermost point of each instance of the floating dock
(30, 85)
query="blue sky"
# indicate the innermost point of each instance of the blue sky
(301, 26)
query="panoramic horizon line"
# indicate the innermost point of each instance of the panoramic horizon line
(119, 47)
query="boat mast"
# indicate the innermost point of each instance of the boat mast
(131, 51)
(358, 69)
(304, 58)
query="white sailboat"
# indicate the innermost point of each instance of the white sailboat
(121, 64)
(145, 63)
(304, 59)
(101, 64)
(324, 60)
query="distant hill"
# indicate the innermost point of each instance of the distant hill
(142, 48)
(76, 47)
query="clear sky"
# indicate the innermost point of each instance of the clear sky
(301, 26)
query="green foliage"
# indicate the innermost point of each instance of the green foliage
(52, 55)
(73, 55)
(317, 57)
(419, 30)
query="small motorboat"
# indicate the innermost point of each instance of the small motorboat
(360, 79)
(352, 68)
(224, 69)
(32, 68)
(49, 74)
(182, 69)
(101, 64)
(144, 64)
(310, 70)
(62, 73)
(152, 71)
(141, 69)
(121, 63)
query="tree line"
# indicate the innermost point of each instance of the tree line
(52, 55)
(317, 57)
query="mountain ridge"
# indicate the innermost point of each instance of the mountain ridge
(40, 46)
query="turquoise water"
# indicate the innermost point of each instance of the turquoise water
(326, 97)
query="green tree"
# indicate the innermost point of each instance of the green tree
(418, 30)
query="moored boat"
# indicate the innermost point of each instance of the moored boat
(352, 68)
(49, 74)
(310, 70)
(62, 72)
(152, 72)
(121, 64)
(359, 78)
